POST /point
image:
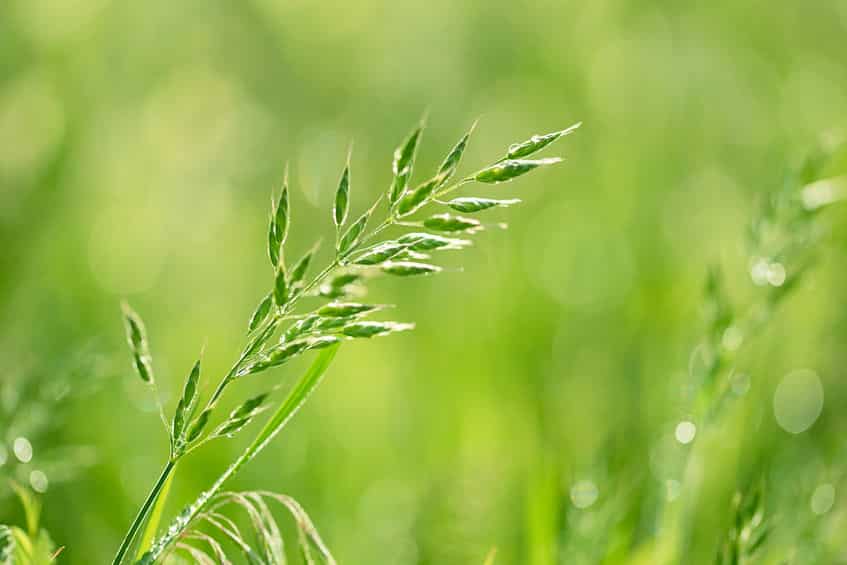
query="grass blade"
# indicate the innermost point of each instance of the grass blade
(404, 160)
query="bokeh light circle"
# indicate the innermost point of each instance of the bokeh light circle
(798, 401)
(823, 498)
(584, 494)
(685, 432)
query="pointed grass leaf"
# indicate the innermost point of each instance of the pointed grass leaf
(144, 368)
(451, 162)
(240, 416)
(422, 241)
(281, 286)
(335, 292)
(300, 327)
(322, 342)
(451, 223)
(331, 324)
(538, 142)
(380, 253)
(342, 198)
(409, 255)
(345, 309)
(283, 213)
(471, 204)
(344, 279)
(510, 169)
(276, 356)
(409, 268)
(137, 339)
(404, 160)
(416, 198)
(197, 426)
(260, 339)
(279, 222)
(185, 406)
(260, 313)
(354, 233)
(371, 329)
(301, 267)
(273, 240)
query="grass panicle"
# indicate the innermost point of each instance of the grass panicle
(360, 254)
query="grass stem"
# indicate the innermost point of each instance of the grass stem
(142, 513)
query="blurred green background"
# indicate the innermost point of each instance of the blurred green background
(139, 144)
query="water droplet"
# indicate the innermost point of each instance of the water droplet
(823, 192)
(23, 449)
(759, 271)
(672, 489)
(584, 494)
(776, 274)
(823, 498)
(732, 338)
(740, 383)
(685, 432)
(798, 401)
(38, 481)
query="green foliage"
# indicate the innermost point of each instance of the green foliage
(552, 356)
(749, 531)
(322, 328)
(31, 545)
(136, 336)
(404, 160)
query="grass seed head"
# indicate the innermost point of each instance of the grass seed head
(137, 339)
(511, 169)
(538, 142)
(260, 313)
(404, 160)
(409, 268)
(451, 162)
(301, 267)
(300, 327)
(409, 255)
(186, 403)
(281, 286)
(471, 204)
(321, 342)
(415, 199)
(450, 223)
(380, 253)
(342, 197)
(422, 241)
(345, 309)
(371, 329)
(198, 426)
(354, 233)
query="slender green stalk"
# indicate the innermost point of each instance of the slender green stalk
(142, 513)
(292, 403)
(156, 512)
(160, 484)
